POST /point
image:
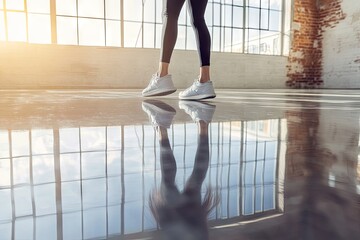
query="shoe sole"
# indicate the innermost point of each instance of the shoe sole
(198, 104)
(159, 105)
(157, 94)
(198, 97)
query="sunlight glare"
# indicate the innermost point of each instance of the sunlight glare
(66, 30)
(112, 9)
(66, 7)
(38, 6)
(15, 5)
(16, 26)
(91, 8)
(113, 34)
(2, 27)
(39, 28)
(133, 10)
(91, 32)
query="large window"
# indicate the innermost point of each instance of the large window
(88, 22)
(242, 26)
(25, 21)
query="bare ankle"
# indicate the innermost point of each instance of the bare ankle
(163, 74)
(204, 80)
(163, 69)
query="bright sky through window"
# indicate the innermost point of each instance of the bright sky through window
(244, 26)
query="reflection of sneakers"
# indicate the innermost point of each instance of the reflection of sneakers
(198, 91)
(159, 86)
(160, 113)
(198, 110)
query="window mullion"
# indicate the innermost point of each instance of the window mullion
(77, 22)
(282, 33)
(105, 42)
(222, 26)
(142, 22)
(27, 20)
(232, 26)
(155, 24)
(6, 23)
(122, 21)
(53, 21)
(244, 27)
(260, 12)
(268, 23)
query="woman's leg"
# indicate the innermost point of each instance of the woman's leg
(197, 12)
(171, 12)
(161, 83)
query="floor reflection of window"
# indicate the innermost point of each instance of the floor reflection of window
(91, 191)
(244, 153)
(27, 184)
(94, 182)
(260, 156)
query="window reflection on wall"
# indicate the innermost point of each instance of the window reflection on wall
(94, 182)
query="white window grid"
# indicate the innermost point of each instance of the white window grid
(239, 26)
(97, 176)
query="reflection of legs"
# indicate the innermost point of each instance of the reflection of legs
(202, 114)
(165, 199)
(167, 160)
(183, 215)
(161, 116)
(201, 163)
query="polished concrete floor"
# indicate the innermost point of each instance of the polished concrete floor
(249, 164)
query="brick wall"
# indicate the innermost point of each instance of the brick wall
(340, 34)
(304, 67)
(311, 18)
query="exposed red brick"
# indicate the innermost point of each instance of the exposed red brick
(305, 59)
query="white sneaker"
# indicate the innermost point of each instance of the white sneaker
(198, 91)
(160, 113)
(159, 86)
(198, 110)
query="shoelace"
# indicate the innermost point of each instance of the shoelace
(153, 81)
(193, 86)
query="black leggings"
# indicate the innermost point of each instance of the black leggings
(171, 14)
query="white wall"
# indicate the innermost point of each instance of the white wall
(56, 66)
(341, 49)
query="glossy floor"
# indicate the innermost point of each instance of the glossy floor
(246, 165)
